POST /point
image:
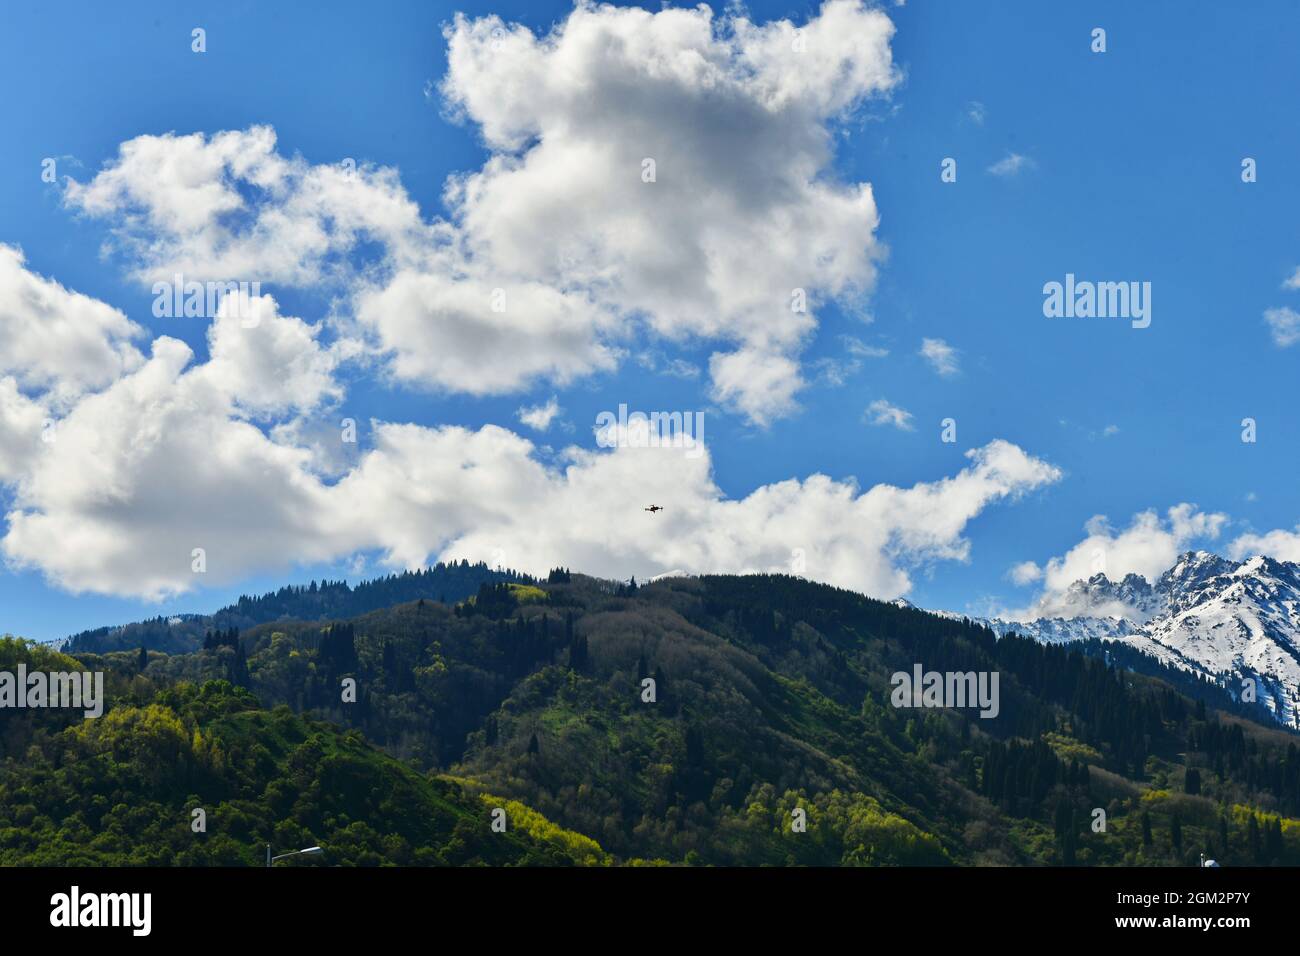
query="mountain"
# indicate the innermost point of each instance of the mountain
(121, 790)
(315, 602)
(697, 721)
(1223, 621)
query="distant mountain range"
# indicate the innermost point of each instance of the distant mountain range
(1226, 621)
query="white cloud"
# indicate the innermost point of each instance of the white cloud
(161, 463)
(56, 341)
(1026, 572)
(834, 371)
(1284, 324)
(941, 356)
(881, 412)
(21, 427)
(153, 467)
(266, 362)
(745, 209)
(1293, 281)
(230, 208)
(539, 417)
(1147, 547)
(680, 368)
(742, 211)
(859, 349)
(156, 457)
(460, 489)
(1010, 165)
(760, 384)
(1279, 543)
(466, 334)
(169, 459)
(976, 111)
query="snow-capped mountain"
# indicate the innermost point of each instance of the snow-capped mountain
(1224, 619)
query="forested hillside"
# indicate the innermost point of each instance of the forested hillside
(123, 789)
(321, 601)
(769, 736)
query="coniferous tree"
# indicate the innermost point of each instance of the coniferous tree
(694, 747)
(1071, 840)
(533, 746)
(1273, 841)
(1061, 819)
(239, 666)
(1146, 828)
(577, 652)
(144, 658)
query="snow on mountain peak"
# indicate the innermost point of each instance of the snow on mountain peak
(1225, 620)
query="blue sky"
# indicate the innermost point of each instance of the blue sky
(1131, 171)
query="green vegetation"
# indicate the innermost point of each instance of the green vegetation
(122, 791)
(770, 740)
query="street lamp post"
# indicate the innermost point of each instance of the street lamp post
(310, 851)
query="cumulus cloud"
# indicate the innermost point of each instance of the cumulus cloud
(1026, 572)
(740, 234)
(881, 412)
(734, 117)
(539, 417)
(460, 489)
(1279, 543)
(941, 356)
(176, 459)
(554, 255)
(22, 425)
(1147, 547)
(56, 341)
(467, 335)
(268, 363)
(760, 384)
(229, 207)
(153, 467)
(163, 462)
